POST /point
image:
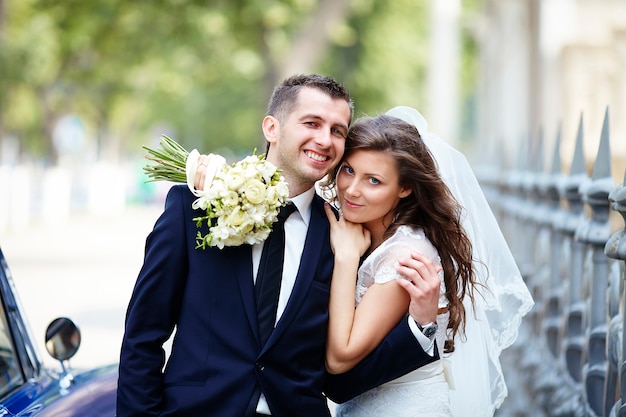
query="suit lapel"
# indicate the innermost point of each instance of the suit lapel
(243, 268)
(313, 245)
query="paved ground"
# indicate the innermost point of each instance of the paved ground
(83, 269)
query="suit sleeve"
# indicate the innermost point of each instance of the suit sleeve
(398, 354)
(153, 312)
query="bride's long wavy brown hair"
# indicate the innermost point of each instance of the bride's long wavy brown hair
(430, 206)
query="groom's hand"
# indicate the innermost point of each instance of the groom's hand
(422, 283)
(203, 162)
(206, 170)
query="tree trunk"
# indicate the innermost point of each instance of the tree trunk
(48, 117)
(311, 43)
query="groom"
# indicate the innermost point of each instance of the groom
(218, 365)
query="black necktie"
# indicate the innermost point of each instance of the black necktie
(269, 277)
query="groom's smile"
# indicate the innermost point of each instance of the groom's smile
(316, 156)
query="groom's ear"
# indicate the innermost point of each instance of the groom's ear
(271, 128)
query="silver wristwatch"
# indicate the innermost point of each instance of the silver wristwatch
(429, 329)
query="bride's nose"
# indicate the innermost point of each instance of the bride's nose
(353, 188)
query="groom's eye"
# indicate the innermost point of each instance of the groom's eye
(339, 132)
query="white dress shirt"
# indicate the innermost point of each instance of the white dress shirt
(296, 227)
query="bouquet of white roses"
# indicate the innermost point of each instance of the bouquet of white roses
(241, 202)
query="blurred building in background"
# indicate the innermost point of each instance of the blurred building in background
(543, 66)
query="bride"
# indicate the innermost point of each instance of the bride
(399, 190)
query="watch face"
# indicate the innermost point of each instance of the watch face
(429, 331)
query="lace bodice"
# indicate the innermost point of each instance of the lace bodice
(398, 397)
(379, 267)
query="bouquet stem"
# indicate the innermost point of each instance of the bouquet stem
(170, 160)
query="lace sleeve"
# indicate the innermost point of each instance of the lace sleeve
(380, 266)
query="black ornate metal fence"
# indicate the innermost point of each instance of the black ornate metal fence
(567, 236)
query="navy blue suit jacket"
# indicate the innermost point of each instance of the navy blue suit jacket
(217, 365)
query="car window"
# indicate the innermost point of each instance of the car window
(10, 375)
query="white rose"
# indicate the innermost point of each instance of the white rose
(230, 198)
(236, 217)
(235, 240)
(235, 180)
(255, 191)
(247, 227)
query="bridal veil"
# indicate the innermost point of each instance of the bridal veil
(492, 324)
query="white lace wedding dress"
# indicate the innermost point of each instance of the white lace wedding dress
(423, 392)
(476, 385)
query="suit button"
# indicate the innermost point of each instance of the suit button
(260, 366)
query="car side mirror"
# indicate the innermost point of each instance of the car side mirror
(62, 339)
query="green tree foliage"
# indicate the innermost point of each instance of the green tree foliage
(199, 71)
(386, 65)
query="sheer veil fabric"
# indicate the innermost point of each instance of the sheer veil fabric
(478, 386)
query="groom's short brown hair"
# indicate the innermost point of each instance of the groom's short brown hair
(285, 95)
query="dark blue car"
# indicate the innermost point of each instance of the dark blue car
(27, 388)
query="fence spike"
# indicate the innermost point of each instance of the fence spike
(578, 163)
(539, 157)
(556, 156)
(602, 166)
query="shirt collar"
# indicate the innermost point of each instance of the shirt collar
(303, 204)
